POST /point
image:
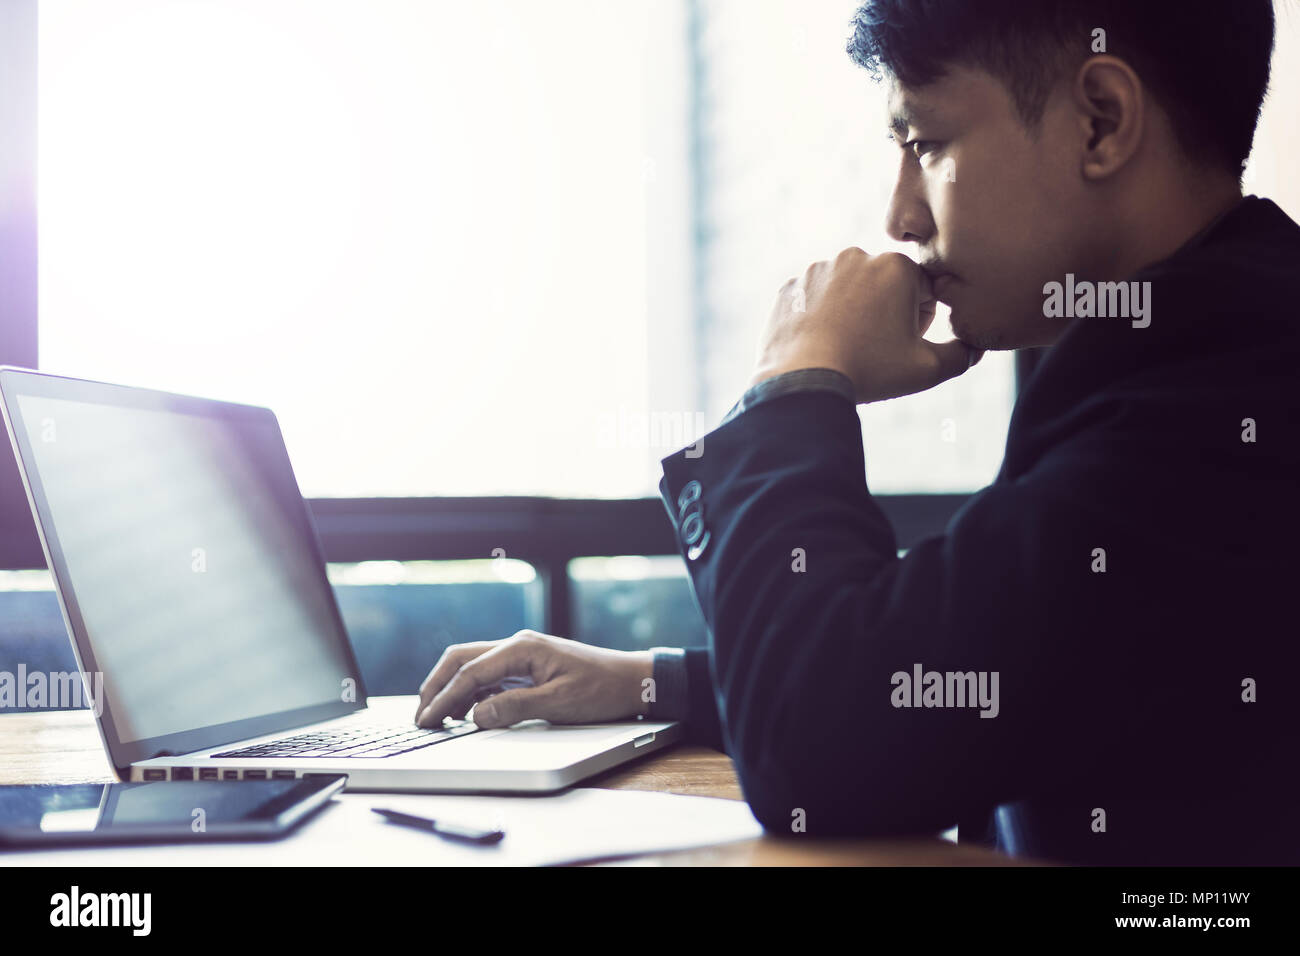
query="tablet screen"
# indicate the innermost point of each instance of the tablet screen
(181, 810)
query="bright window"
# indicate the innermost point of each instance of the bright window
(475, 249)
(418, 231)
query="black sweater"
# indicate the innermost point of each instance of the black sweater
(1125, 730)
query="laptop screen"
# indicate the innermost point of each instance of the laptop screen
(193, 566)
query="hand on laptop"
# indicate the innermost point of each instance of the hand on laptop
(573, 683)
(865, 316)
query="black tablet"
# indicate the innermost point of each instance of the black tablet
(172, 811)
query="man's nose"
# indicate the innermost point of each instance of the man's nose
(907, 218)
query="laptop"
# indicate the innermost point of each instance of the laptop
(193, 586)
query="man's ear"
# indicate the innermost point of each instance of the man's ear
(1111, 104)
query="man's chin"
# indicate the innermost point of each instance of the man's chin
(991, 337)
(987, 340)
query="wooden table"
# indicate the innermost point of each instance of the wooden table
(64, 747)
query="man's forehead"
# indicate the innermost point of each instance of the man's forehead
(948, 97)
(908, 105)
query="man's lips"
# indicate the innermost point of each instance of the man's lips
(938, 279)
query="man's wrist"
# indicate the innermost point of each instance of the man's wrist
(795, 380)
(640, 676)
(769, 373)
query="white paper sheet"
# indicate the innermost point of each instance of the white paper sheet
(580, 824)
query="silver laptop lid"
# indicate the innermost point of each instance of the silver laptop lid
(186, 563)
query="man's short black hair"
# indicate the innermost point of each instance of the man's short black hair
(1206, 62)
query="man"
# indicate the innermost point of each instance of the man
(1093, 662)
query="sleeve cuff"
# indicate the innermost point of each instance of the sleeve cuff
(800, 380)
(670, 695)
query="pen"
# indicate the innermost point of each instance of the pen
(452, 831)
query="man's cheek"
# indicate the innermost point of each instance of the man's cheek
(948, 184)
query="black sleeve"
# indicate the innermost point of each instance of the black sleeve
(817, 627)
(685, 682)
(702, 724)
(684, 692)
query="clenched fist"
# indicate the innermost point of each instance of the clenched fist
(862, 315)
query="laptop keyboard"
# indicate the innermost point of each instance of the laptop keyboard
(368, 739)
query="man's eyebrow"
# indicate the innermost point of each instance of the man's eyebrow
(904, 116)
